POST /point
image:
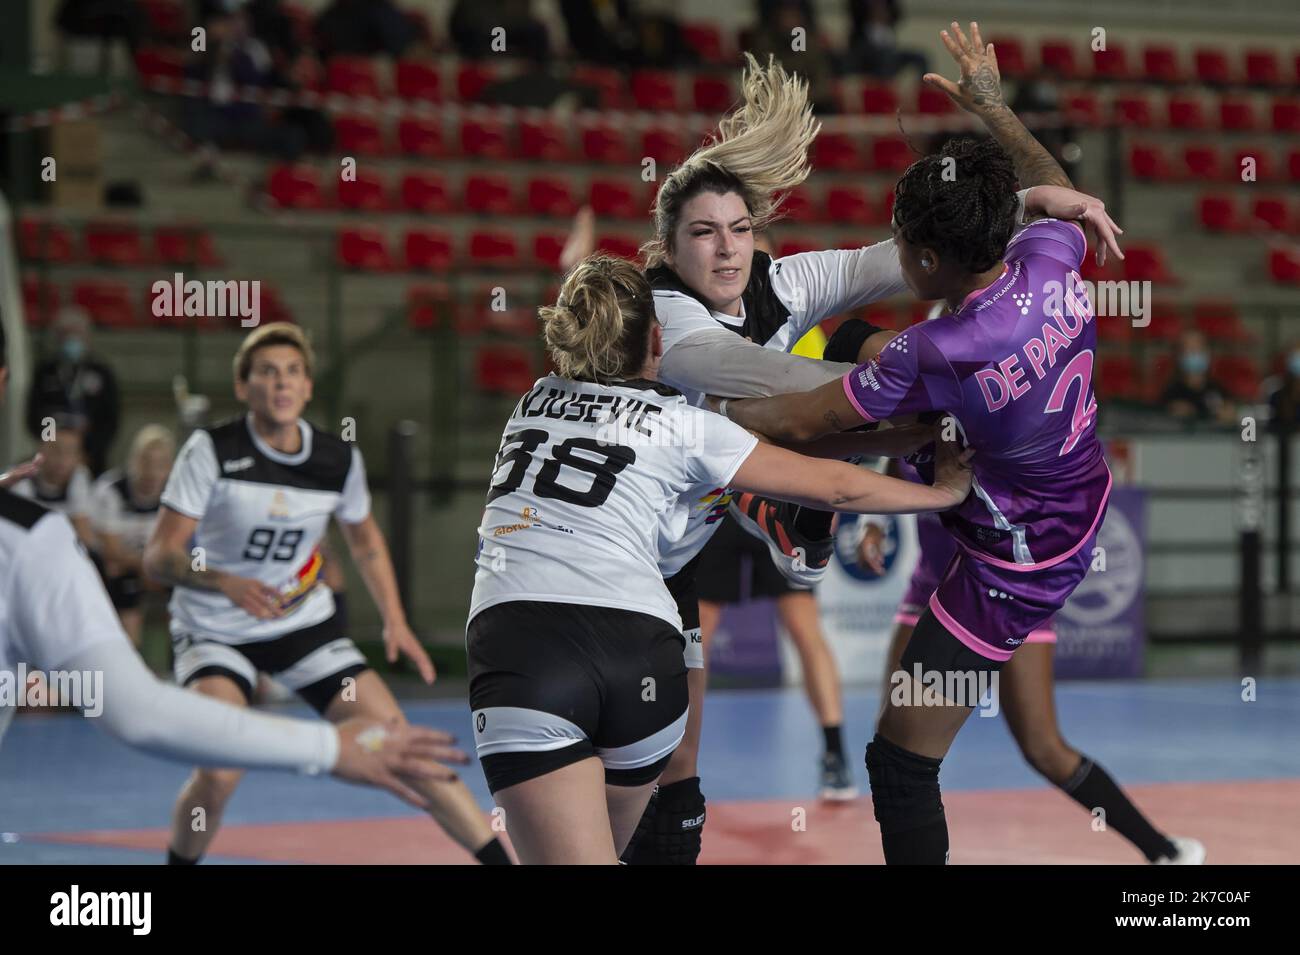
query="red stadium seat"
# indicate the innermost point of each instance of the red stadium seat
(471, 79)
(602, 142)
(358, 135)
(40, 240)
(1166, 323)
(504, 369)
(1111, 63)
(156, 63)
(797, 206)
(891, 154)
(543, 139)
(1114, 329)
(417, 80)
(1011, 57)
(1263, 163)
(425, 192)
(114, 243)
(1218, 213)
(489, 194)
(1160, 65)
(420, 137)
(615, 199)
(352, 76)
(1058, 56)
(1146, 263)
(547, 247)
(367, 192)
(1082, 107)
(1271, 213)
(655, 90)
(493, 250)
(184, 246)
(1293, 165)
(1118, 377)
(879, 98)
(1133, 109)
(550, 197)
(1186, 112)
(1263, 68)
(484, 138)
(166, 18)
(364, 249)
(427, 250)
(40, 301)
(664, 145)
(1202, 162)
(1219, 322)
(1238, 374)
(295, 187)
(850, 204)
(1212, 67)
(706, 40)
(1284, 264)
(887, 199)
(712, 94)
(1236, 113)
(1147, 161)
(1286, 115)
(625, 247)
(836, 151)
(428, 306)
(933, 102)
(609, 84)
(109, 303)
(794, 245)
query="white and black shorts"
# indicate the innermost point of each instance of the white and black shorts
(313, 662)
(685, 591)
(554, 683)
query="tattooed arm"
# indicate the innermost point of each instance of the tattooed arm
(979, 91)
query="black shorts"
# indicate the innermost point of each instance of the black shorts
(313, 662)
(554, 683)
(735, 565)
(683, 586)
(124, 591)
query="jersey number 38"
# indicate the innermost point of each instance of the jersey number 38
(602, 461)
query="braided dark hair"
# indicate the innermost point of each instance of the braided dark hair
(968, 219)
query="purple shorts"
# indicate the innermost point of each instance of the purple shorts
(937, 552)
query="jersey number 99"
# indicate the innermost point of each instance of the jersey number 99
(262, 542)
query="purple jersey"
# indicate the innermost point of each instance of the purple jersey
(1014, 366)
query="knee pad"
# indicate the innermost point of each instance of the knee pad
(673, 825)
(904, 787)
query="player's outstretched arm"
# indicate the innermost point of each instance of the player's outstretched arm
(796, 418)
(370, 553)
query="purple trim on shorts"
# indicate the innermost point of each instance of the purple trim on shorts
(848, 390)
(1051, 562)
(972, 642)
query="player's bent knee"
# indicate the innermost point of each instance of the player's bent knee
(219, 784)
(904, 787)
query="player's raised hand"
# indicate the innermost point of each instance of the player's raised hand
(1061, 203)
(386, 755)
(398, 638)
(252, 596)
(871, 549)
(20, 471)
(979, 88)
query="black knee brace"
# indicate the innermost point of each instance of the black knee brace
(904, 787)
(670, 831)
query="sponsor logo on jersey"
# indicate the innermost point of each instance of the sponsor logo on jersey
(296, 590)
(480, 721)
(279, 507)
(715, 502)
(239, 464)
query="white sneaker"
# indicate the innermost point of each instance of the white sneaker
(1190, 852)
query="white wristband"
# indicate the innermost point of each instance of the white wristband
(722, 407)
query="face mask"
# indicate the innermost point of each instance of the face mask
(73, 349)
(1293, 364)
(1196, 363)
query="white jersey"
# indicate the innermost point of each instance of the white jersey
(586, 477)
(72, 500)
(114, 511)
(784, 299)
(262, 514)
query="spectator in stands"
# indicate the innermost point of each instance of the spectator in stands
(76, 389)
(1283, 391)
(103, 19)
(773, 34)
(364, 28)
(873, 41)
(639, 33)
(1192, 395)
(62, 481)
(1041, 93)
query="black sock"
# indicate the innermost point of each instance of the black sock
(834, 740)
(494, 853)
(814, 525)
(926, 845)
(1092, 788)
(174, 859)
